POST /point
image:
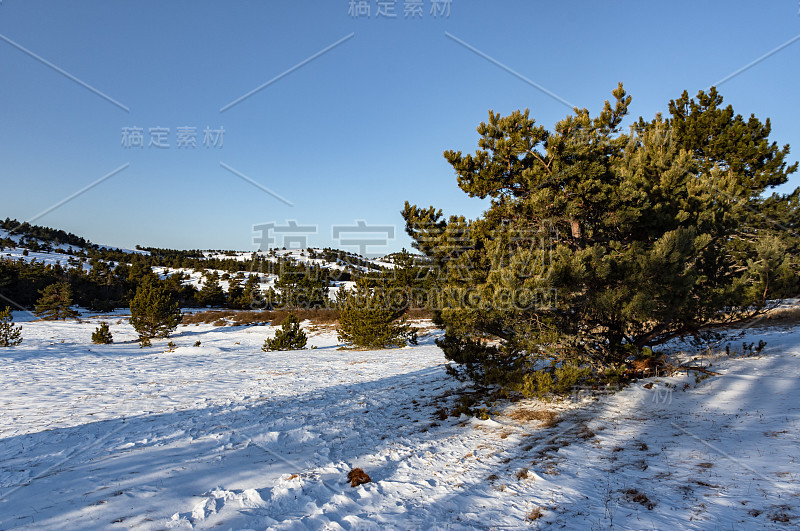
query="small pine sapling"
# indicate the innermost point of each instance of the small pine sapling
(154, 314)
(102, 335)
(10, 334)
(289, 337)
(368, 320)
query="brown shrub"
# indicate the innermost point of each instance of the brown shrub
(419, 313)
(317, 316)
(357, 477)
(645, 366)
(205, 317)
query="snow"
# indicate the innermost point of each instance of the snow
(65, 247)
(223, 435)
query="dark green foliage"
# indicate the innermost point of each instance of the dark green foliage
(154, 314)
(243, 294)
(289, 337)
(184, 294)
(559, 381)
(300, 286)
(55, 302)
(10, 334)
(116, 274)
(23, 281)
(236, 291)
(56, 237)
(599, 243)
(408, 285)
(102, 335)
(251, 293)
(211, 294)
(369, 319)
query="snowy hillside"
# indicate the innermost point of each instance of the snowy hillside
(222, 435)
(49, 253)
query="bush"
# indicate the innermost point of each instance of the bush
(10, 334)
(560, 381)
(102, 335)
(153, 312)
(367, 320)
(289, 337)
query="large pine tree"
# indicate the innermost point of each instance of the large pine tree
(55, 302)
(600, 243)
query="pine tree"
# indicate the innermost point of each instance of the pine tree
(55, 302)
(369, 320)
(409, 282)
(10, 334)
(289, 337)
(300, 286)
(153, 312)
(102, 335)
(599, 244)
(252, 296)
(236, 292)
(211, 293)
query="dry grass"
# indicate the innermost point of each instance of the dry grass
(205, 317)
(419, 313)
(780, 517)
(776, 317)
(549, 418)
(317, 316)
(321, 316)
(639, 497)
(535, 514)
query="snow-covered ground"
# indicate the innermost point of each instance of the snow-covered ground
(222, 435)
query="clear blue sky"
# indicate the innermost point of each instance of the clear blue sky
(353, 133)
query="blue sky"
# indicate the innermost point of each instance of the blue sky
(353, 133)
